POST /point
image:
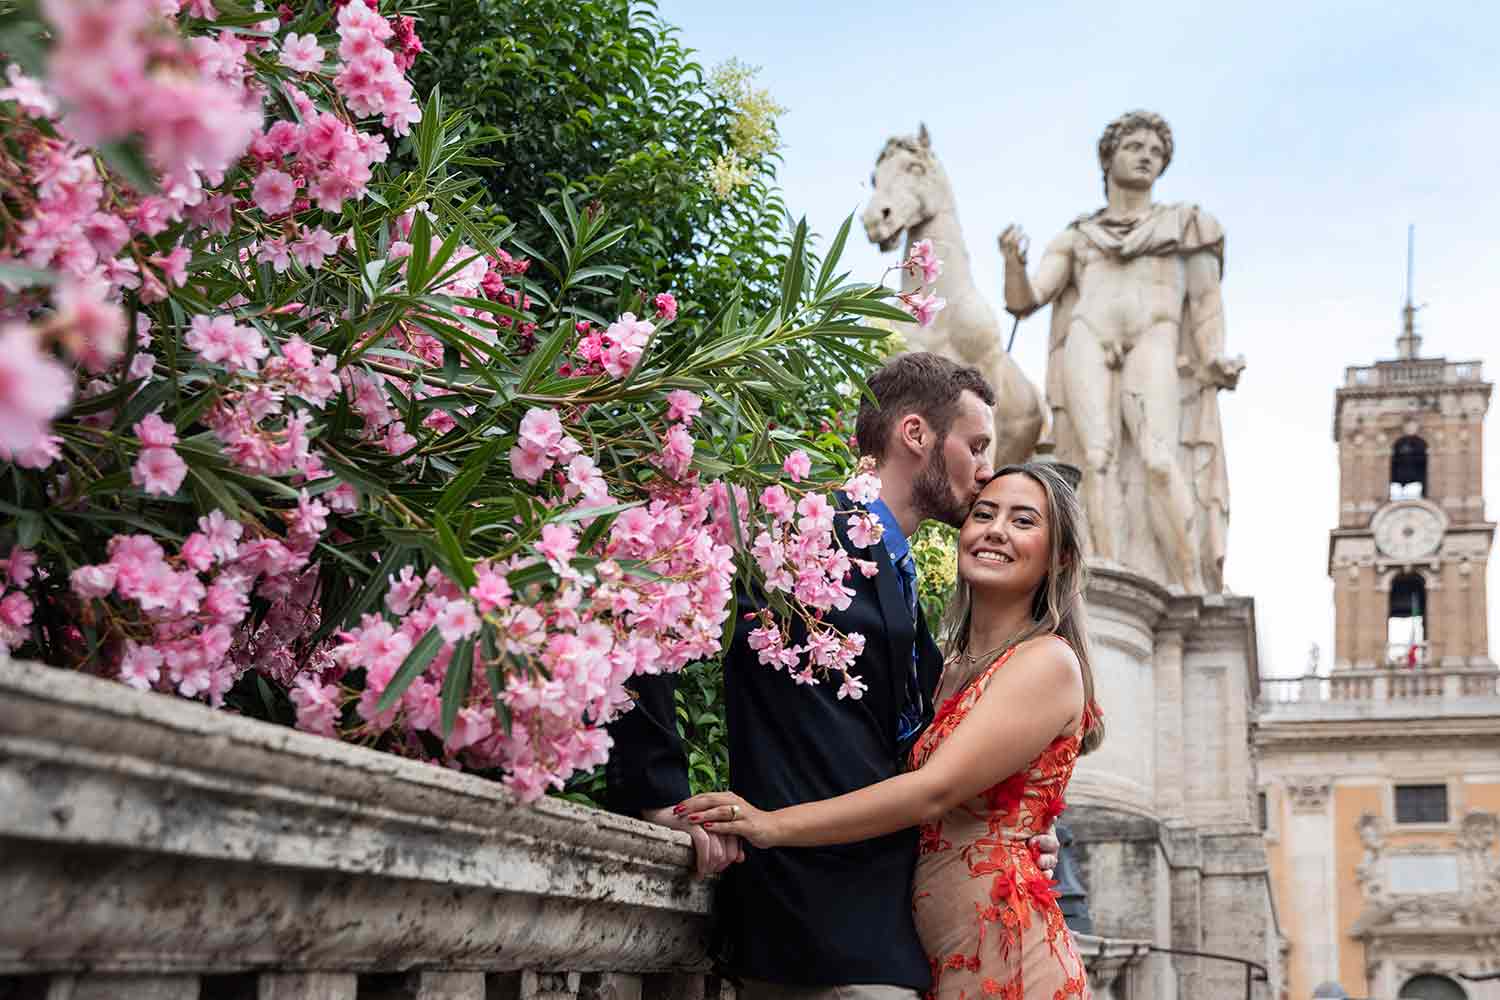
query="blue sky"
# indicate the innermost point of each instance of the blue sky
(1314, 131)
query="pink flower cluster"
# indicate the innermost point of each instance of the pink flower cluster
(183, 613)
(107, 67)
(370, 78)
(618, 349)
(923, 306)
(16, 570)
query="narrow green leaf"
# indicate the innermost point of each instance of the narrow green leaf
(456, 683)
(464, 483)
(416, 661)
(453, 554)
(835, 251)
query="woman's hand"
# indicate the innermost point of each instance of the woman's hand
(727, 813)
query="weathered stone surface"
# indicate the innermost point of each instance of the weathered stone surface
(307, 986)
(91, 987)
(143, 832)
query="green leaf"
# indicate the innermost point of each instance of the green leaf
(456, 683)
(831, 261)
(421, 249)
(416, 661)
(795, 273)
(463, 484)
(542, 358)
(458, 564)
(128, 159)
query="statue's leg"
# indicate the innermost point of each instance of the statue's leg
(1090, 389)
(1151, 405)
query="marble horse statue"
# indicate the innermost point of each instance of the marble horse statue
(912, 196)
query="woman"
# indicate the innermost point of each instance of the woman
(1017, 709)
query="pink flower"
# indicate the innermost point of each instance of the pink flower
(317, 706)
(301, 53)
(797, 465)
(865, 530)
(457, 620)
(923, 308)
(159, 471)
(93, 581)
(274, 192)
(93, 330)
(222, 534)
(491, 591)
(34, 388)
(154, 432)
(219, 339)
(863, 488)
(197, 552)
(19, 566)
(777, 503)
(314, 247)
(140, 667)
(28, 93)
(923, 257)
(817, 514)
(542, 429)
(676, 454)
(683, 405)
(666, 307)
(528, 463)
(559, 543)
(852, 688)
(627, 339)
(174, 265)
(15, 610)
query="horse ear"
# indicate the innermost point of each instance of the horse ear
(923, 137)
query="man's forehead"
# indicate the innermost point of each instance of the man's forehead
(1143, 134)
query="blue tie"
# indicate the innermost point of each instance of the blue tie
(910, 719)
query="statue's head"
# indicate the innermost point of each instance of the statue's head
(1135, 149)
(908, 185)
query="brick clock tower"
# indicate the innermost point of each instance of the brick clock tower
(1409, 554)
(1380, 775)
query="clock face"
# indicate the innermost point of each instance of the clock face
(1408, 532)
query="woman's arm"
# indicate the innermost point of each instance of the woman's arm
(1033, 698)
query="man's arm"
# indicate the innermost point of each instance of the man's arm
(1025, 296)
(1206, 309)
(647, 770)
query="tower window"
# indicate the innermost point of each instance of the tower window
(1421, 803)
(1405, 624)
(1409, 469)
(1430, 987)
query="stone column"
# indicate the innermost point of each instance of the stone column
(1309, 850)
(1167, 667)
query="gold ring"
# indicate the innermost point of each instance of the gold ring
(734, 812)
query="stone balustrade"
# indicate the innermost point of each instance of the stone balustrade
(154, 849)
(1398, 692)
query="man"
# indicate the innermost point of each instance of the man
(1137, 347)
(801, 922)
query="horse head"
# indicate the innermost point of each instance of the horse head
(909, 187)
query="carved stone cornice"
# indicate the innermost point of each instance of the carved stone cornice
(1338, 735)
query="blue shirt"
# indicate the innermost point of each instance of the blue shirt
(894, 538)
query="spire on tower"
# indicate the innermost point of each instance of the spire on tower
(1409, 344)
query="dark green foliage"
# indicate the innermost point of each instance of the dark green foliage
(603, 98)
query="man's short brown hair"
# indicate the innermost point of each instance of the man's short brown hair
(925, 384)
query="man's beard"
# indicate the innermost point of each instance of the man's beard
(932, 493)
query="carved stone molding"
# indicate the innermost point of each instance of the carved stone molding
(1308, 796)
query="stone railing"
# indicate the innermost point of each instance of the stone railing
(1418, 371)
(1385, 693)
(154, 849)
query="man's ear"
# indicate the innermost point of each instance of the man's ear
(912, 432)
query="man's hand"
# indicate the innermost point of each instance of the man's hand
(1013, 245)
(715, 851)
(1045, 847)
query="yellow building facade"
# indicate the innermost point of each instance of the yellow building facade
(1380, 775)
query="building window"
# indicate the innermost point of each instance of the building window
(1430, 987)
(1409, 469)
(1421, 803)
(1263, 811)
(1405, 623)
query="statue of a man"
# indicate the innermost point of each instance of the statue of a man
(1136, 359)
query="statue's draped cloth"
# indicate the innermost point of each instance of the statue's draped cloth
(1170, 230)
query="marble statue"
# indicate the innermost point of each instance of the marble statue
(1136, 361)
(912, 196)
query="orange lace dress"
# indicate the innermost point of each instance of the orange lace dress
(985, 913)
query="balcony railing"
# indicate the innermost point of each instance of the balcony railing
(1405, 373)
(1418, 690)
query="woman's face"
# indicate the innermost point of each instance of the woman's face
(1006, 541)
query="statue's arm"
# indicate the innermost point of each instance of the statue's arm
(1206, 308)
(1024, 296)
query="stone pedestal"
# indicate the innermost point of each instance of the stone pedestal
(1164, 812)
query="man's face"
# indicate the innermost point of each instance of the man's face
(959, 466)
(1139, 159)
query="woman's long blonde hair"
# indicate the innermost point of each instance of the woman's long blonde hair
(1056, 607)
